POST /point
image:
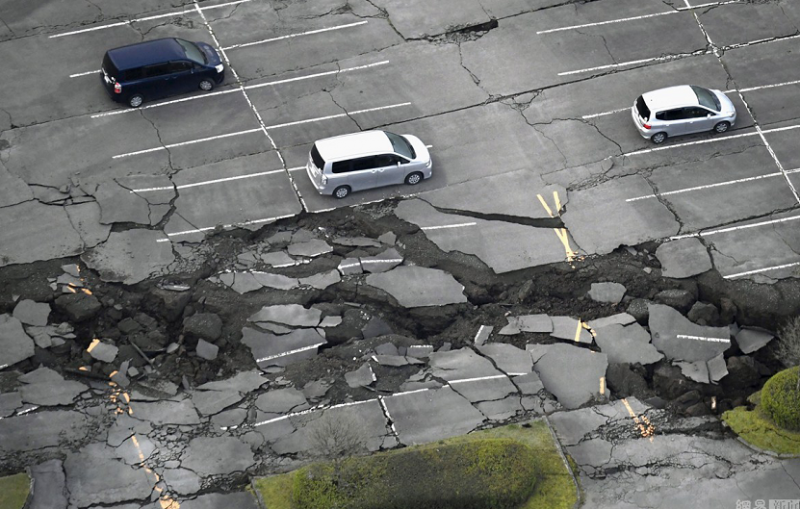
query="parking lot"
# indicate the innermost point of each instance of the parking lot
(494, 88)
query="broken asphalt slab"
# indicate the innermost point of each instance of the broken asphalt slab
(574, 375)
(415, 286)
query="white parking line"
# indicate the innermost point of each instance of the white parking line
(478, 379)
(291, 36)
(207, 182)
(225, 226)
(603, 114)
(87, 73)
(292, 352)
(184, 143)
(635, 18)
(248, 87)
(635, 62)
(710, 186)
(459, 225)
(735, 228)
(765, 269)
(250, 131)
(702, 338)
(182, 12)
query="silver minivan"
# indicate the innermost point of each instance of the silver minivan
(685, 109)
(353, 162)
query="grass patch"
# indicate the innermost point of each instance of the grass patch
(533, 445)
(756, 427)
(14, 491)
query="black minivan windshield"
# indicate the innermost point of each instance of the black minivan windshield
(193, 52)
(401, 145)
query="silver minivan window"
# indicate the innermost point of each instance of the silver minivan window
(707, 98)
(401, 145)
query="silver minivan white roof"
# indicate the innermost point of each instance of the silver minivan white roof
(348, 146)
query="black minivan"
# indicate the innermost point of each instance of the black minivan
(160, 68)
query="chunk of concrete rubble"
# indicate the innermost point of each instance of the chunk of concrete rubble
(567, 328)
(680, 339)
(72, 269)
(362, 377)
(619, 318)
(395, 361)
(276, 281)
(697, 371)
(508, 358)
(527, 323)
(316, 389)
(45, 387)
(284, 401)
(611, 293)
(78, 307)
(206, 326)
(206, 350)
(431, 415)
(310, 249)
(135, 450)
(717, 368)
(95, 476)
(382, 262)
(243, 382)
(683, 258)
(388, 238)
(32, 313)
(213, 402)
(185, 482)
(330, 321)
(293, 315)
(322, 280)
(627, 344)
(15, 344)
(217, 456)
(574, 375)
(278, 259)
(387, 349)
(419, 286)
(9, 403)
(103, 352)
(50, 486)
(167, 412)
(131, 256)
(239, 282)
(350, 266)
(356, 242)
(39, 430)
(282, 350)
(751, 339)
(484, 331)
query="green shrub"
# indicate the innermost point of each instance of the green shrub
(495, 473)
(781, 400)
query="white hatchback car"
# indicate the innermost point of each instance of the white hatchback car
(684, 109)
(354, 162)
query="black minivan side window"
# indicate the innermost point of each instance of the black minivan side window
(152, 71)
(179, 66)
(134, 74)
(365, 163)
(342, 167)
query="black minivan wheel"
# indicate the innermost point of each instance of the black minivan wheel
(135, 100)
(414, 178)
(206, 85)
(341, 191)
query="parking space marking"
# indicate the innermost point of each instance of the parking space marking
(710, 186)
(207, 182)
(478, 379)
(561, 233)
(87, 73)
(263, 128)
(712, 140)
(442, 227)
(662, 58)
(226, 226)
(635, 18)
(182, 12)
(703, 338)
(759, 271)
(291, 36)
(247, 87)
(735, 228)
(184, 143)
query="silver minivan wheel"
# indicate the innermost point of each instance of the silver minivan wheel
(206, 85)
(658, 138)
(722, 127)
(341, 191)
(135, 100)
(413, 179)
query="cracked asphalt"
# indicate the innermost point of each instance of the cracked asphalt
(525, 105)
